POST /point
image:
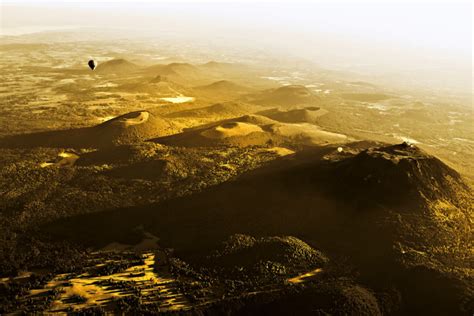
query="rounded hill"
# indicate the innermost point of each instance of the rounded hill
(252, 130)
(116, 66)
(223, 86)
(130, 128)
(160, 85)
(303, 115)
(226, 109)
(287, 253)
(291, 95)
(397, 174)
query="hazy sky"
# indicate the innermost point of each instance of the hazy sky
(373, 35)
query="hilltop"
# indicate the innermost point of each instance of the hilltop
(116, 66)
(182, 73)
(160, 86)
(259, 255)
(299, 115)
(401, 173)
(239, 132)
(252, 130)
(131, 128)
(226, 109)
(285, 96)
(125, 129)
(223, 86)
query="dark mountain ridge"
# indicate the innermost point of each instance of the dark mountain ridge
(316, 196)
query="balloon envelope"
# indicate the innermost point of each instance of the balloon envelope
(92, 64)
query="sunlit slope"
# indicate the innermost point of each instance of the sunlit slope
(218, 110)
(251, 130)
(125, 129)
(298, 115)
(286, 96)
(222, 90)
(116, 66)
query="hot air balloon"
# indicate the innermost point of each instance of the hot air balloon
(92, 64)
